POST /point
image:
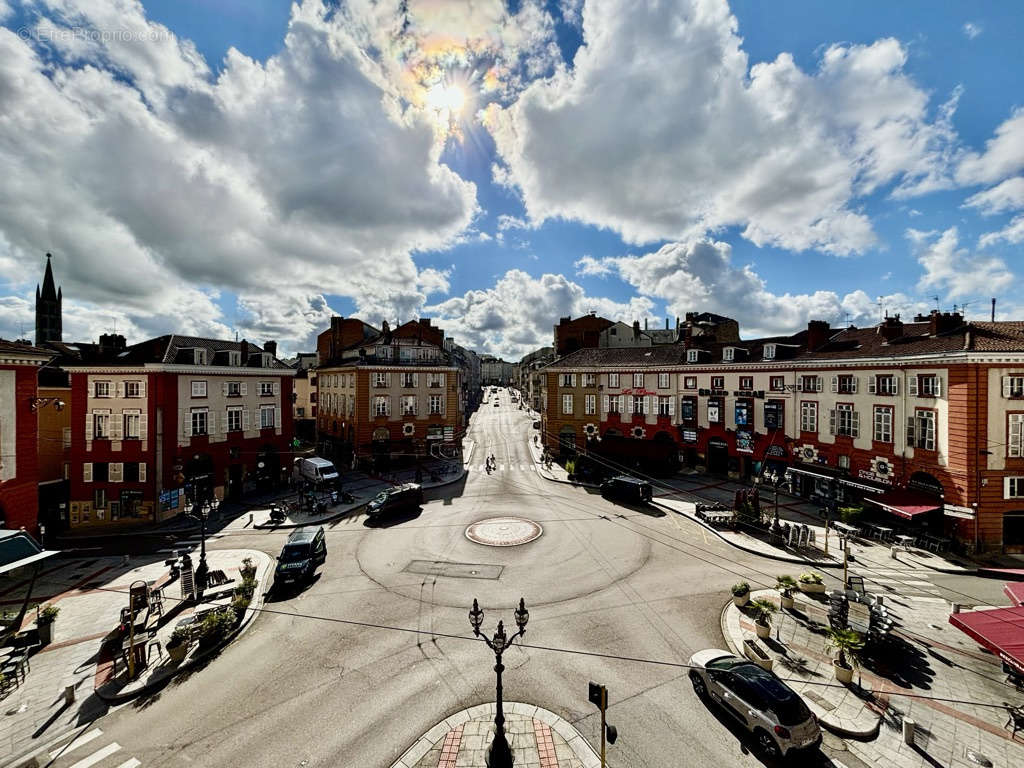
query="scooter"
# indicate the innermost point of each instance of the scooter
(277, 514)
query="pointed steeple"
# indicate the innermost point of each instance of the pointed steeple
(49, 303)
(49, 289)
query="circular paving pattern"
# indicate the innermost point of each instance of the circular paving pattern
(503, 531)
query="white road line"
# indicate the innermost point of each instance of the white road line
(923, 599)
(83, 739)
(95, 757)
(920, 583)
(133, 763)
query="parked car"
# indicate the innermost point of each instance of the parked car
(316, 470)
(626, 488)
(400, 498)
(768, 708)
(305, 549)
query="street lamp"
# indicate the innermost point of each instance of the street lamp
(201, 571)
(499, 754)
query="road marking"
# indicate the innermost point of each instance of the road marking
(95, 757)
(923, 599)
(81, 740)
(133, 763)
(919, 583)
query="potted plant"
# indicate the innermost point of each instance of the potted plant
(764, 609)
(846, 642)
(785, 584)
(44, 623)
(810, 583)
(740, 594)
(215, 627)
(177, 646)
(247, 569)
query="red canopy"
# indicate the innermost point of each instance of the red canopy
(1015, 591)
(905, 504)
(1000, 630)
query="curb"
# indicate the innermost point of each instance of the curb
(247, 620)
(318, 521)
(575, 740)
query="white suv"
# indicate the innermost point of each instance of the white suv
(772, 711)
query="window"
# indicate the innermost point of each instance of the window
(663, 379)
(130, 472)
(436, 404)
(435, 380)
(101, 389)
(718, 382)
(99, 500)
(589, 404)
(614, 404)
(199, 421)
(882, 430)
(844, 461)
(1013, 386)
(567, 404)
(638, 381)
(692, 355)
(131, 425)
(100, 472)
(381, 405)
(639, 401)
(300, 412)
(133, 389)
(1015, 435)
(774, 414)
(312, 381)
(568, 379)
(844, 385)
(769, 352)
(809, 384)
(101, 425)
(927, 386)
(1013, 487)
(409, 405)
(688, 409)
(729, 354)
(715, 410)
(409, 379)
(380, 379)
(808, 416)
(884, 385)
(234, 389)
(589, 379)
(613, 380)
(664, 406)
(234, 419)
(200, 356)
(921, 430)
(267, 417)
(746, 383)
(845, 421)
(777, 383)
(266, 388)
(198, 389)
(689, 382)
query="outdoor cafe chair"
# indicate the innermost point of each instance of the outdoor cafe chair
(1016, 719)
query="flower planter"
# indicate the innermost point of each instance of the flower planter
(740, 600)
(843, 674)
(762, 630)
(811, 588)
(786, 602)
(177, 653)
(756, 654)
(45, 633)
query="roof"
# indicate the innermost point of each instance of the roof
(633, 357)
(14, 348)
(851, 343)
(165, 349)
(1003, 336)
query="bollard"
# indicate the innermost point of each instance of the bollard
(250, 518)
(69, 694)
(955, 607)
(892, 552)
(908, 731)
(879, 599)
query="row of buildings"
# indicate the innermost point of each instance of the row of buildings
(110, 434)
(924, 420)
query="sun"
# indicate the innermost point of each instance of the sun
(443, 97)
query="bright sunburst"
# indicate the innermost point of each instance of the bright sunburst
(446, 98)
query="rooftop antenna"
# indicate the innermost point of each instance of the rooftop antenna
(936, 300)
(879, 303)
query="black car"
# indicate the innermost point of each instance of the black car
(401, 498)
(305, 549)
(626, 488)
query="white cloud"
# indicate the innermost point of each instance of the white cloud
(1005, 196)
(511, 222)
(156, 186)
(5, 10)
(434, 280)
(1003, 155)
(588, 265)
(572, 11)
(1011, 233)
(661, 130)
(972, 30)
(953, 270)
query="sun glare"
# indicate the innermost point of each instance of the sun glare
(448, 98)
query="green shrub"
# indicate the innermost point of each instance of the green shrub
(246, 588)
(811, 578)
(239, 603)
(785, 585)
(216, 626)
(740, 589)
(847, 642)
(180, 636)
(764, 609)
(48, 615)
(850, 515)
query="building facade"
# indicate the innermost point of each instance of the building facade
(390, 398)
(930, 412)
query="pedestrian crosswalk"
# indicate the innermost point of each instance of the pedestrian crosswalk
(511, 467)
(911, 584)
(72, 751)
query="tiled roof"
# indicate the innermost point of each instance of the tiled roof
(17, 348)
(1004, 336)
(634, 357)
(853, 343)
(162, 349)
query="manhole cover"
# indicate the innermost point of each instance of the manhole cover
(503, 531)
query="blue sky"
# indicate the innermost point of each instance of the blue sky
(773, 161)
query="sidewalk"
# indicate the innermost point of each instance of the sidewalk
(539, 739)
(90, 593)
(930, 659)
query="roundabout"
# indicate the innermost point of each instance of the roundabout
(504, 531)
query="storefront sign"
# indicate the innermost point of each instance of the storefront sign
(744, 441)
(749, 393)
(689, 435)
(742, 414)
(713, 392)
(449, 434)
(867, 474)
(638, 391)
(435, 433)
(717, 442)
(775, 450)
(952, 510)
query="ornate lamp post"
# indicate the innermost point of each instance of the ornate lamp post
(199, 513)
(499, 754)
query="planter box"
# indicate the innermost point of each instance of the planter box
(756, 654)
(45, 633)
(762, 630)
(177, 653)
(810, 588)
(739, 602)
(843, 674)
(786, 603)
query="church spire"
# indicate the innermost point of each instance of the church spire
(49, 289)
(49, 302)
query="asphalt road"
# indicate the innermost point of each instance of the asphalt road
(352, 670)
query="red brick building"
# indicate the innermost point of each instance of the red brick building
(581, 333)
(19, 434)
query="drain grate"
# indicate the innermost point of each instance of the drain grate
(454, 570)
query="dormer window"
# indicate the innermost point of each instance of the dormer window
(769, 351)
(234, 358)
(268, 360)
(200, 356)
(729, 354)
(692, 355)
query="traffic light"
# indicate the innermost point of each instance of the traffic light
(598, 696)
(595, 695)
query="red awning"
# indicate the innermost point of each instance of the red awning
(1000, 630)
(906, 504)
(1015, 591)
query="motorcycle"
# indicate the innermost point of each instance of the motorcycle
(277, 514)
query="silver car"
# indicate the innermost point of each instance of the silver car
(768, 708)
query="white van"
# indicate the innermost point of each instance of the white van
(316, 470)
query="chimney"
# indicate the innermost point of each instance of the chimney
(636, 329)
(891, 328)
(817, 334)
(993, 310)
(666, 323)
(645, 323)
(336, 323)
(112, 342)
(425, 322)
(271, 347)
(243, 347)
(943, 322)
